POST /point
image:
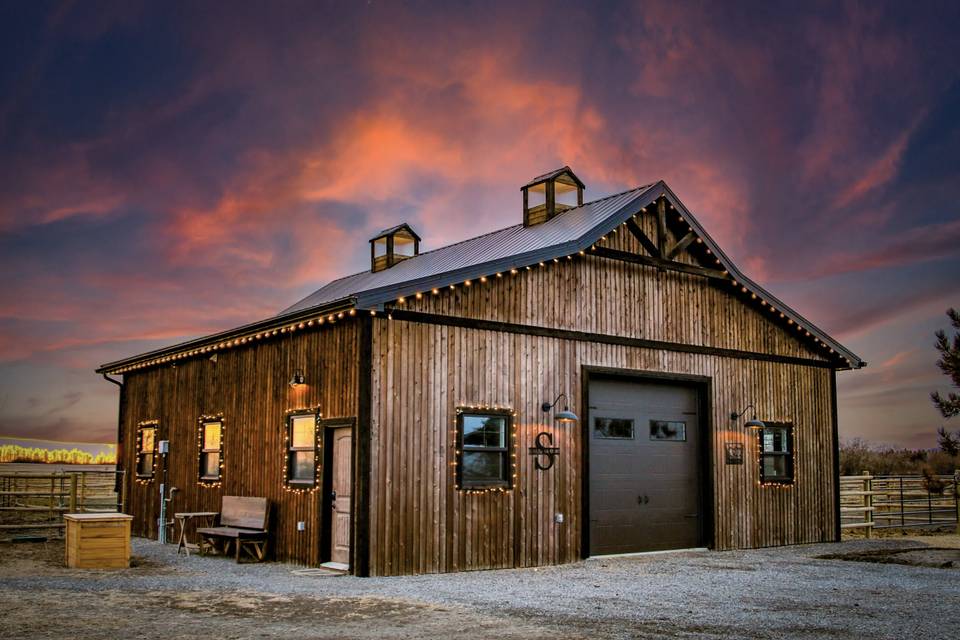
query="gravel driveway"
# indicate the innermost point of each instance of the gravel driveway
(768, 593)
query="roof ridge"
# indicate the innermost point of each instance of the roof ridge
(501, 230)
(513, 226)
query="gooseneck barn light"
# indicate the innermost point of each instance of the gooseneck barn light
(297, 379)
(561, 417)
(752, 423)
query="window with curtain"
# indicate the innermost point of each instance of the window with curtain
(211, 450)
(302, 449)
(146, 450)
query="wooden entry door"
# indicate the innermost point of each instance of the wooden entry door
(341, 470)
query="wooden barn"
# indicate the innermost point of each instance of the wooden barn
(598, 378)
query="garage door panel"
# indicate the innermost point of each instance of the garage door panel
(645, 490)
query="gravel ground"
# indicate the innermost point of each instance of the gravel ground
(767, 593)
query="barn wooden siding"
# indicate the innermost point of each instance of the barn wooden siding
(611, 297)
(249, 386)
(423, 370)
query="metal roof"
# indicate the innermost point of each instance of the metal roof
(554, 174)
(575, 230)
(505, 244)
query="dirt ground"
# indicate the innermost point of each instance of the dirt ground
(907, 587)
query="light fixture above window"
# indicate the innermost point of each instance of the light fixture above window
(297, 379)
(752, 423)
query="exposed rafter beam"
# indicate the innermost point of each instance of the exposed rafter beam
(642, 237)
(680, 245)
(670, 265)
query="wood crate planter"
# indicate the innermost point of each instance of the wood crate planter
(98, 540)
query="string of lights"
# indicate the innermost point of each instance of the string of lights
(209, 483)
(317, 449)
(458, 457)
(155, 425)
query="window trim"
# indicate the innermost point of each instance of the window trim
(289, 449)
(201, 450)
(154, 425)
(507, 451)
(790, 455)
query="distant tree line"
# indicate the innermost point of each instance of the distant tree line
(858, 455)
(16, 453)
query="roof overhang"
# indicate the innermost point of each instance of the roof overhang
(256, 331)
(378, 299)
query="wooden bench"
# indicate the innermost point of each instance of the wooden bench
(243, 523)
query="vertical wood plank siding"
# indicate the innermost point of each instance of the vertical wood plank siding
(249, 386)
(422, 372)
(610, 297)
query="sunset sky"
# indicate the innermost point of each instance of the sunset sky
(171, 170)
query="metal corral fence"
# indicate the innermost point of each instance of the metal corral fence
(34, 503)
(871, 502)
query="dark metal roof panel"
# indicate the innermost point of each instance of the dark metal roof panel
(517, 240)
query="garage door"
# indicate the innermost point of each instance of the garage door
(645, 480)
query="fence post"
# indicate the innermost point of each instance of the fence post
(868, 501)
(123, 491)
(956, 496)
(73, 493)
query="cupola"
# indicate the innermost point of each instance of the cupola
(552, 193)
(393, 245)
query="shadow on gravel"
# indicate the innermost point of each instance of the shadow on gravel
(935, 557)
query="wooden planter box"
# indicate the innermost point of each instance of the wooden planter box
(98, 540)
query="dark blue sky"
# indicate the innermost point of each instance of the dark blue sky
(174, 169)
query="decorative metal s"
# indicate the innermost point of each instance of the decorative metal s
(544, 447)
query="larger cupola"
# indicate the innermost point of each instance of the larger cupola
(393, 245)
(552, 193)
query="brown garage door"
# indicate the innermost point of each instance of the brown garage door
(645, 480)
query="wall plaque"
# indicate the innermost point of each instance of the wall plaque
(734, 451)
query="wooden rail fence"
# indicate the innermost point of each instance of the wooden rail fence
(872, 502)
(31, 503)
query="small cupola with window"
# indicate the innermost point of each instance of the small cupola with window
(550, 194)
(393, 245)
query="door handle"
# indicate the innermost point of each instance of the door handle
(333, 498)
(643, 499)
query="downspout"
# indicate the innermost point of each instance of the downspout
(119, 462)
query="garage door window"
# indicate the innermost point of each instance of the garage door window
(483, 450)
(776, 454)
(613, 428)
(668, 430)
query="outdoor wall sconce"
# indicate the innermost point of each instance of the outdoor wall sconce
(752, 423)
(565, 417)
(544, 440)
(297, 379)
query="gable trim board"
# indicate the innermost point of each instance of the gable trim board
(380, 298)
